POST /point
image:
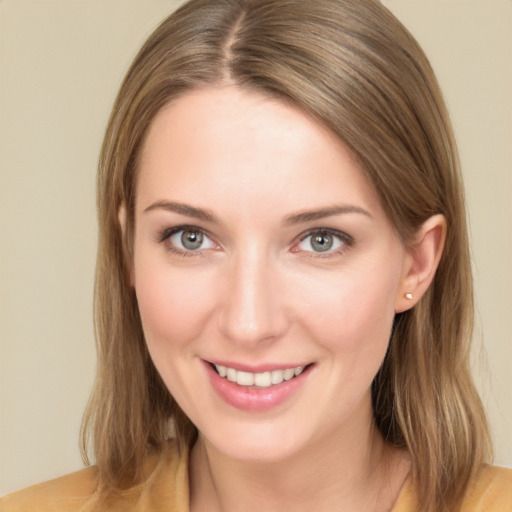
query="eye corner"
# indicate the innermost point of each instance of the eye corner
(172, 238)
(337, 243)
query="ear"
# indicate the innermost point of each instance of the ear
(122, 215)
(421, 261)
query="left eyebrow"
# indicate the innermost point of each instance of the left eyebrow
(322, 213)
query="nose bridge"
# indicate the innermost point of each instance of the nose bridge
(251, 311)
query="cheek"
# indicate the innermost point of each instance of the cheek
(174, 305)
(351, 315)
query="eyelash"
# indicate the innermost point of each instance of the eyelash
(346, 240)
(165, 236)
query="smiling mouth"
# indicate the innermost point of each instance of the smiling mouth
(260, 380)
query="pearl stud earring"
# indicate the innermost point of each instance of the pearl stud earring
(408, 295)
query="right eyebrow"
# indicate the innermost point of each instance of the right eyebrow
(184, 209)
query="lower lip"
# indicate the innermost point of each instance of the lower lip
(250, 398)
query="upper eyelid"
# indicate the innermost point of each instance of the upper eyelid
(167, 233)
(340, 234)
(163, 237)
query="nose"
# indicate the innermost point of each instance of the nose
(251, 310)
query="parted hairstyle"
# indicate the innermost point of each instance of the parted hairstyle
(354, 68)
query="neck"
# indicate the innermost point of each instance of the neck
(345, 471)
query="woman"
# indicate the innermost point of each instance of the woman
(283, 280)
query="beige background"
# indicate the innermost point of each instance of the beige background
(61, 62)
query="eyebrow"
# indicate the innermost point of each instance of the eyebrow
(289, 220)
(184, 209)
(312, 215)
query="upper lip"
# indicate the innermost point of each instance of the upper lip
(259, 368)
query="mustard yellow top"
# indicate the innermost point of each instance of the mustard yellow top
(166, 489)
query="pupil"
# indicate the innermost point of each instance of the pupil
(191, 240)
(322, 242)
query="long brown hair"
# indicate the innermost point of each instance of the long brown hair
(352, 66)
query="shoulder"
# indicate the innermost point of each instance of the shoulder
(67, 493)
(491, 491)
(165, 487)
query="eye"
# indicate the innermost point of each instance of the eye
(323, 241)
(188, 240)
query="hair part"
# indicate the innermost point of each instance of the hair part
(362, 75)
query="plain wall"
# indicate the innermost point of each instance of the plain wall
(61, 62)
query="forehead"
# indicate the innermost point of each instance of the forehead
(229, 144)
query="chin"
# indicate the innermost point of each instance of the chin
(257, 443)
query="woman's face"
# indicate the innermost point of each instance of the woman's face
(261, 249)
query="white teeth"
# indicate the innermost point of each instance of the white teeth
(261, 380)
(289, 373)
(244, 378)
(277, 376)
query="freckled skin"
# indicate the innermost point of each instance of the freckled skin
(257, 292)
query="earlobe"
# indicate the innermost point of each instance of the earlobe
(122, 216)
(420, 264)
